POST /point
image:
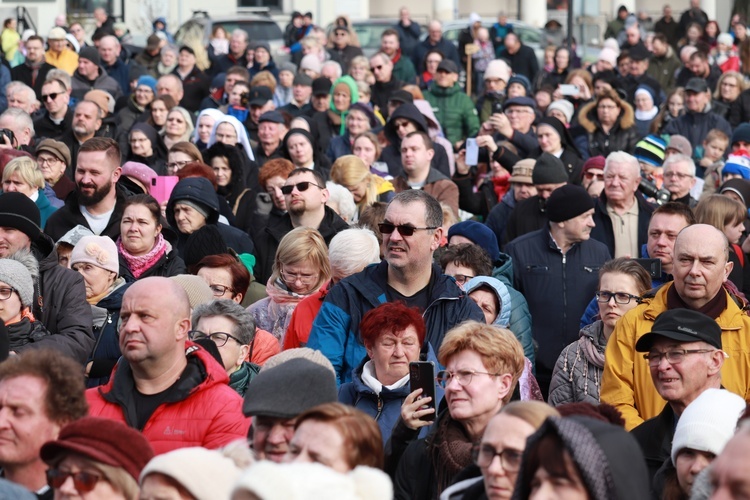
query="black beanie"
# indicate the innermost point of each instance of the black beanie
(567, 202)
(549, 169)
(205, 241)
(91, 54)
(19, 212)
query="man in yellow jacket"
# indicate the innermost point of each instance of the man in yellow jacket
(700, 269)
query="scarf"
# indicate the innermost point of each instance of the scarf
(713, 308)
(450, 451)
(139, 264)
(280, 294)
(240, 379)
(339, 117)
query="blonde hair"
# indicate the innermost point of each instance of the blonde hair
(533, 413)
(265, 78)
(303, 244)
(350, 170)
(27, 171)
(717, 210)
(500, 350)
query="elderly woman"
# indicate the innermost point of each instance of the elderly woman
(147, 147)
(94, 457)
(204, 125)
(728, 89)
(22, 175)
(95, 257)
(168, 59)
(52, 159)
(555, 139)
(180, 154)
(646, 109)
(299, 147)
(333, 122)
(607, 124)
(366, 187)
(393, 335)
(359, 120)
(300, 268)
(578, 372)
(350, 437)
(160, 108)
(137, 104)
(18, 274)
(142, 248)
(504, 439)
(192, 205)
(482, 366)
(179, 126)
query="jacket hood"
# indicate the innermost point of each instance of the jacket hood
(588, 119)
(503, 270)
(409, 111)
(425, 108)
(196, 189)
(502, 293)
(609, 459)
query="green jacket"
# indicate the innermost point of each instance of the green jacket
(454, 110)
(404, 70)
(663, 69)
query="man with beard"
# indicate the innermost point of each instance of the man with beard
(96, 203)
(305, 194)
(86, 123)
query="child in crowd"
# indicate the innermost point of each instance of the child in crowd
(714, 146)
(481, 58)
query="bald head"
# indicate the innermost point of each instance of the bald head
(701, 264)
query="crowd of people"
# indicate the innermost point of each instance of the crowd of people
(228, 272)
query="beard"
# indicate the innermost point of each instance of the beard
(97, 196)
(296, 208)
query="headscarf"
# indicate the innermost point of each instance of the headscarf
(565, 140)
(302, 132)
(189, 126)
(353, 92)
(238, 128)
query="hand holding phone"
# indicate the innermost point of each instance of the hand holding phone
(422, 376)
(472, 151)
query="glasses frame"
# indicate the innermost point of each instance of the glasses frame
(211, 337)
(654, 358)
(403, 229)
(51, 96)
(301, 187)
(444, 381)
(10, 294)
(600, 294)
(294, 277)
(476, 452)
(56, 478)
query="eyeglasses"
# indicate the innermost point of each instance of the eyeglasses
(510, 459)
(403, 230)
(463, 377)
(219, 290)
(6, 292)
(461, 278)
(398, 125)
(305, 279)
(177, 164)
(301, 187)
(44, 160)
(674, 357)
(84, 482)
(376, 68)
(218, 338)
(592, 175)
(678, 175)
(620, 297)
(51, 96)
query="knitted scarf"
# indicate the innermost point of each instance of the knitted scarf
(450, 451)
(139, 264)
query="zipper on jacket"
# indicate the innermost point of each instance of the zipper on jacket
(565, 290)
(380, 407)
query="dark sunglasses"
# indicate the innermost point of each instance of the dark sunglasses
(301, 186)
(51, 95)
(373, 68)
(403, 230)
(591, 175)
(84, 482)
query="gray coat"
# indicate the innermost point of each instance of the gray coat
(578, 373)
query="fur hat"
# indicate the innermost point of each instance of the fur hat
(99, 251)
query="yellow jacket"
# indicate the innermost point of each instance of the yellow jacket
(626, 381)
(67, 60)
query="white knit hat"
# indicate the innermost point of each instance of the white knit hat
(562, 105)
(708, 422)
(498, 68)
(100, 251)
(311, 481)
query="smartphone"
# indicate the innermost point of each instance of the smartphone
(162, 186)
(472, 151)
(422, 376)
(497, 108)
(653, 266)
(568, 89)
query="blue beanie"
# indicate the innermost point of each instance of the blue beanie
(148, 81)
(479, 234)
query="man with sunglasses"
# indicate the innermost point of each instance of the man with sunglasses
(701, 269)
(305, 194)
(412, 231)
(385, 84)
(58, 115)
(621, 206)
(684, 354)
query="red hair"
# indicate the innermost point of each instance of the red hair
(391, 317)
(197, 169)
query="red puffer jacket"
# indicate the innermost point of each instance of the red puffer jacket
(201, 411)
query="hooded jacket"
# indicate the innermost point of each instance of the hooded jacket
(391, 154)
(103, 81)
(200, 190)
(594, 141)
(335, 331)
(577, 376)
(202, 410)
(454, 110)
(626, 381)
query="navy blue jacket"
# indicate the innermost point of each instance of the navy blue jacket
(335, 331)
(605, 233)
(107, 349)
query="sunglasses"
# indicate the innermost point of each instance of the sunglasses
(301, 187)
(84, 482)
(52, 96)
(403, 230)
(591, 175)
(374, 68)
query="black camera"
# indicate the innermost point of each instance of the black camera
(4, 132)
(660, 196)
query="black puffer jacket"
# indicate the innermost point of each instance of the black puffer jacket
(592, 140)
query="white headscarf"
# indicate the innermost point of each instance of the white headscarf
(241, 134)
(213, 113)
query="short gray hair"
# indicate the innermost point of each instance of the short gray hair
(680, 158)
(352, 250)
(61, 77)
(244, 324)
(21, 117)
(622, 157)
(343, 199)
(332, 64)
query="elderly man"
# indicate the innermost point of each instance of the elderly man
(21, 96)
(699, 119)
(679, 178)
(515, 125)
(730, 472)
(521, 57)
(53, 158)
(385, 84)
(412, 231)
(58, 115)
(638, 75)
(58, 54)
(684, 354)
(305, 382)
(554, 269)
(700, 268)
(112, 63)
(434, 41)
(165, 386)
(270, 133)
(622, 214)
(86, 123)
(32, 412)
(238, 43)
(170, 85)
(453, 109)
(342, 51)
(34, 69)
(19, 122)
